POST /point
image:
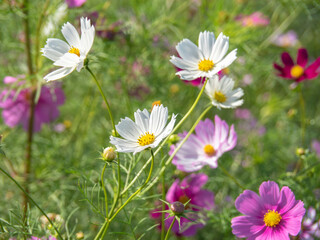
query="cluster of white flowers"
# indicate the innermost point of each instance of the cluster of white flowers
(149, 130)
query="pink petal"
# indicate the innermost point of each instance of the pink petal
(302, 58)
(269, 192)
(249, 203)
(313, 70)
(286, 59)
(244, 226)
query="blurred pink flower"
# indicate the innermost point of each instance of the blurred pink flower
(75, 3)
(316, 146)
(206, 146)
(288, 39)
(274, 214)
(190, 188)
(16, 105)
(242, 113)
(252, 20)
(310, 227)
(298, 71)
(247, 79)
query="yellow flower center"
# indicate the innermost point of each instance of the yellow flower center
(272, 218)
(296, 71)
(75, 51)
(209, 150)
(205, 65)
(146, 139)
(220, 97)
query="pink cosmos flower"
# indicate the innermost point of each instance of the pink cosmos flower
(16, 106)
(310, 228)
(298, 71)
(288, 39)
(190, 188)
(316, 146)
(273, 215)
(75, 3)
(252, 20)
(204, 147)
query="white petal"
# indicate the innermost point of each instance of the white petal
(55, 48)
(67, 60)
(189, 51)
(80, 65)
(71, 35)
(59, 73)
(221, 49)
(227, 60)
(215, 52)
(183, 64)
(87, 35)
(168, 128)
(142, 119)
(206, 43)
(129, 129)
(190, 75)
(158, 119)
(124, 145)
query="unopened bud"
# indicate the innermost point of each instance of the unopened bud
(177, 208)
(300, 152)
(79, 235)
(109, 154)
(173, 139)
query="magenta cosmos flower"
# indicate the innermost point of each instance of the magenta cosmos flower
(75, 3)
(298, 71)
(204, 147)
(310, 227)
(252, 20)
(190, 188)
(273, 215)
(16, 106)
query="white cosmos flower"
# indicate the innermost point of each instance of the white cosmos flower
(203, 61)
(71, 55)
(147, 131)
(222, 94)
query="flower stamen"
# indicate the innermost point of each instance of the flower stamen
(75, 51)
(205, 65)
(296, 71)
(272, 218)
(146, 139)
(220, 97)
(209, 150)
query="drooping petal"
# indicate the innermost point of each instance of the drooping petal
(59, 73)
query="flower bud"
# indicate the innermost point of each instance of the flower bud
(173, 139)
(177, 208)
(300, 152)
(108, 154)
(79, 235)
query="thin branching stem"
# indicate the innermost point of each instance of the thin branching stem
(31, 199)
(105, 226)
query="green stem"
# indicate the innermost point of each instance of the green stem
(166, 139)
(31, 199)
(303, 118)
(106, 224)
(232, 177)
(116, 199)
(163, 204)
(104, 98)
(104, 189)
(155, 180)
(169, 230)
